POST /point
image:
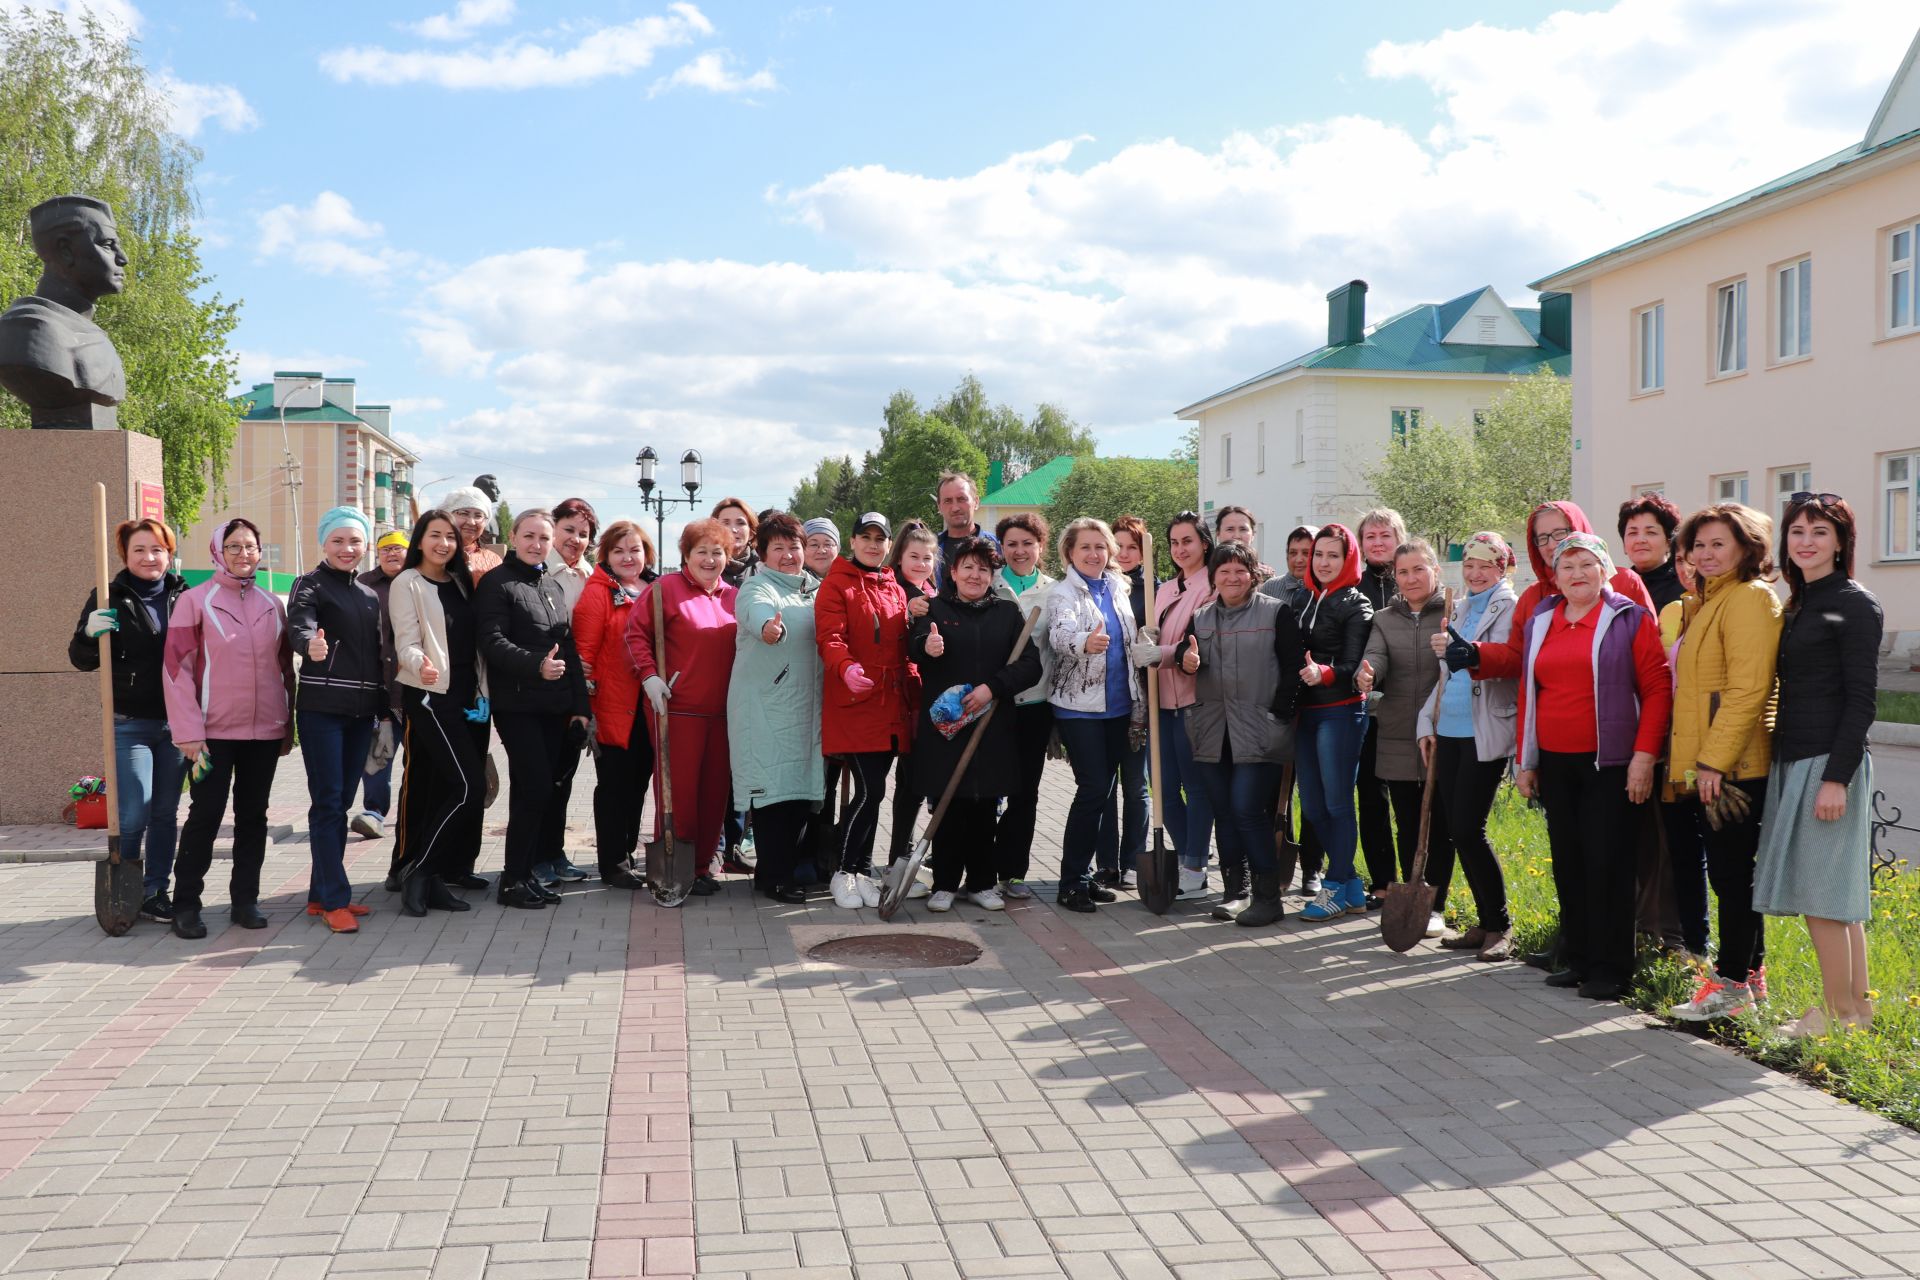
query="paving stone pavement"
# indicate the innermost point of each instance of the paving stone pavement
(609, 1089)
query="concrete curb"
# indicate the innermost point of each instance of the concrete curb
(1885, 733)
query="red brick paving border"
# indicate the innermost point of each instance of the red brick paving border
(645, 1222)
(1373, 1220)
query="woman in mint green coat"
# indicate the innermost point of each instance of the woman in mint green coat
(773, 705)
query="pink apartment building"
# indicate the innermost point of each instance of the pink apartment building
(1767, 345)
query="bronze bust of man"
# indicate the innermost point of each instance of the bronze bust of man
(52, 355)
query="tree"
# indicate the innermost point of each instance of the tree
(1525, 447)
(902, 477)
(1188, 450)
(79, 116)
(833, 490)
(1000, 433)
(1433, 480)
(1155, 490)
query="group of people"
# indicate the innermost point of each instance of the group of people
(787, 678)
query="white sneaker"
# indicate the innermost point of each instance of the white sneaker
(869, 890)
(941, 900)
(1436, 925)
(370, 825)
(1193, 884)
(987, 900)
(919, 888)
(1715, 998)
(846, 890)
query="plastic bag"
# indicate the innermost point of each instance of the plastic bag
(947, 713)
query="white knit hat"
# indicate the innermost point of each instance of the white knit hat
(466, 496)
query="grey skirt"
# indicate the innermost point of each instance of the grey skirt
(1807, 867)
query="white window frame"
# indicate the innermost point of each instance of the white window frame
(1903, 279)
(1226, 455)
(1786, 480)
(1409, 419)
(1730, 328)
(1260, 448)
(1650, 349)
(1907, 527)
(1655, 489)
(1299, 437)
(1740, 483)
(1792, 320)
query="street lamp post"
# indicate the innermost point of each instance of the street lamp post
(292, 469)
(653, 498)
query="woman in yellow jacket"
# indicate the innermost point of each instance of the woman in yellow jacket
(1722, 744)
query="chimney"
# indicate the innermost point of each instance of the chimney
(1347, 314)
(1556, 319)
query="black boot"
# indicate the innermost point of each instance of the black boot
(186, 923)
(414, 893)
(524, 894)
(248, 915)
(1234, 882)
(620, 875)
(1549, 958)
(441, 898)
(1265, 908)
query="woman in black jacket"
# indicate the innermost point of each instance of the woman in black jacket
(1815, 845)
(1335, 622)
(139, 601)
(539, 697)
(333, 620)
(966, 637)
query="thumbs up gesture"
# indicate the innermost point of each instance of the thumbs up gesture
(1460, 653)
(1363, 678)
(935, 645)
(553, 666)
(429, 674)
(1097, 639)
(317, 647)
(773, 630)
(1190, 660)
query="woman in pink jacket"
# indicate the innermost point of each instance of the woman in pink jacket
(228, 677)
(1188, 815)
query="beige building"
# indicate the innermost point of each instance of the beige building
(1768, 345)
(1292, 444)
(342, 453)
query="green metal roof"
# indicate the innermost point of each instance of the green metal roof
(1410, 343)
(257, 406)
(1806, 173)
(1034, 489)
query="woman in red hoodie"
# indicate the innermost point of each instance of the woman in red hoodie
(860, 624)
(689, 698)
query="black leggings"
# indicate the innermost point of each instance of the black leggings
(778, 830)
(535, 743)
(963, 846)
(1372, 813)
(444, 786)
(1013, 835)
(247, 767)
(907, 807)
(1730, 853)
(622, 778)
(1405, 797)
(1464, 788)
(861, 818)
(1589, 819)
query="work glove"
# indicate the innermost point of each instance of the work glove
(1462, 654)
(658, 694)
(1730, 808)
(380, 754)
(479, 711)
(1145, 651)
(102, 620)
(857, 680)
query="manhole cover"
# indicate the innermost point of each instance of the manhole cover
(898, 950)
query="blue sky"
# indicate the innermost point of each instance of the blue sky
(552, 232)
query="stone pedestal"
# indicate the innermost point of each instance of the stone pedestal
(50, 713)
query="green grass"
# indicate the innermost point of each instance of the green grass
(1878, 1067)
(1898, 707)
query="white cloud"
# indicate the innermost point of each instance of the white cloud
(524, 64)
(115, 13)
(240, 12)
(712, 71)
(466, 18)
(193, 105)
(327, 237)
(1123, 284)
(253, 365)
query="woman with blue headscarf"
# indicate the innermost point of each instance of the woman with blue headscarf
(334, 621)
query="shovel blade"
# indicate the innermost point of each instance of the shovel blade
(1159, 874)
(117, 891)
(899, 878)
(670, 870)
(1404, 915)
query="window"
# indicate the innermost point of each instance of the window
(1730, 329)
(1260, 447)
(1793, 310)
(1899, 505)
(1730, 488)
(1650, 348)
(1299, 436)
(1788, 480)
(1403, 423)
(1903, 282)
(1654, 490)
(1226, 456)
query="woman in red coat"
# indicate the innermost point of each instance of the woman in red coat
(624, 761)
(860, 624)
(690, 696)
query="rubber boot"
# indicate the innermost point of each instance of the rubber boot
(415, 892)
(1265, 908)
(1233, 886)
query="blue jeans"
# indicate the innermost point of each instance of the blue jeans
(1122, 842)
(1327, 763)
(334, 748)
(1095, 749)
(150, 770)
(1242, 799)
(376, 795)
(1183, 800)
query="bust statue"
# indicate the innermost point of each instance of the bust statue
(52, 355)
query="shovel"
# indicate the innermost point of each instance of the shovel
(902, 874)
(117, 882)
(670, 864)
(1408, 906)
(1159, 866)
